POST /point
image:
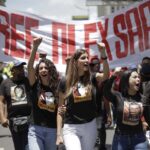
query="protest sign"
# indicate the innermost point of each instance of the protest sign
(125, 33)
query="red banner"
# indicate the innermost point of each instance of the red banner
(126, 35)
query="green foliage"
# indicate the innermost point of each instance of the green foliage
(3, 1)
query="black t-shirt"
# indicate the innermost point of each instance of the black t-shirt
(81, 104)
(16, 94)
(99, 95)
(129, 109)
(44, 106)
(146, 93)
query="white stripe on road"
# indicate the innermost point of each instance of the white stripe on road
(1, 148)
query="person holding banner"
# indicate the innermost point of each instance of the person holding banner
(43, 81)
(77, 93)
(128, 102)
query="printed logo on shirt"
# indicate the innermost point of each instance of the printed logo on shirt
(18, 95)
(47, 101)
(81, 93)
(132, 113)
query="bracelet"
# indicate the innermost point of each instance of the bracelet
(104, 58)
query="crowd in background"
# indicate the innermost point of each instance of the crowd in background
(44, 109)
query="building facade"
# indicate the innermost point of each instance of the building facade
(106, 7)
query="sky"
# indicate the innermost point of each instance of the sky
(54, 9)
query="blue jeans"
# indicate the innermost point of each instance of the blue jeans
(129, 142)
(41, 138)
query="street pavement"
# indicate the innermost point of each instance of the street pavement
(109, 137)
(6, 140)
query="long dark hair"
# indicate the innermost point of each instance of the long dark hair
(54, 76)
(124, 81)
(72, 76)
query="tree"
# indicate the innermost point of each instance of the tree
(2, 2)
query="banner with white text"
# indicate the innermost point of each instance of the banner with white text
(125, 33)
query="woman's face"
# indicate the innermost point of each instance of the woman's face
(83, 64)
(19, 92)
(43, 71)
(134, 82)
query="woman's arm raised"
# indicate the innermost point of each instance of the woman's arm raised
(31, 70)
(105, 75)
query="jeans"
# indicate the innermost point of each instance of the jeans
(80, 136)
(129, 142)
(20, 139)
(41, 138)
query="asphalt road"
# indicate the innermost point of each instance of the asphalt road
(6, 141)
(109, 137)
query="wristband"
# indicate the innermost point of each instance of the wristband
(104, 58)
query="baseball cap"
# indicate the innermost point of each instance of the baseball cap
(132, 67)
(18, 63)
(42, 54)
(94, 60)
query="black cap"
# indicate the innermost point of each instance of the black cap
(18, 63)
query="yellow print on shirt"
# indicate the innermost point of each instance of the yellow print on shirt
(18, 95)
(132, 113)
(46, 101)
(82, 93)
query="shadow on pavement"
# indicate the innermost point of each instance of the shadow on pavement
(108, 147)
(3, 136)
